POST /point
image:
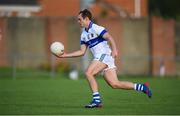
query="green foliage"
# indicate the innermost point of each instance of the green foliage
(63, 67)
(165, 8)
(59, 67)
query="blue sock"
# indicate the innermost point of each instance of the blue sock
(140, 87)
(96, 97)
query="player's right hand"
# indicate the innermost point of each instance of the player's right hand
(58, 55)
(63, 55)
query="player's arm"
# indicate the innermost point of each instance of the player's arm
(77, 53)
(110, 39)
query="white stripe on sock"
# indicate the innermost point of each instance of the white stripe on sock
(139, 87)
(95, 93)
(97, 97)
(97, 100)
(142, 88)
(135, 86)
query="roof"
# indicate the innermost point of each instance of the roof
(19, 2)
(19, 5)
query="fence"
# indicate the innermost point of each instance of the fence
(130, 65)
(146, 47)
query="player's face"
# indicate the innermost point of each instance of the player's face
(82, 22)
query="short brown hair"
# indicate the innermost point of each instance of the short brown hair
(86, 13)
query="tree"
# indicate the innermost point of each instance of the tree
(165, 8)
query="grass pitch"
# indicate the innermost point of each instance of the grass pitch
(62, 96)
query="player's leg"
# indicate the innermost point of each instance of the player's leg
(111, 78)
(93, 69)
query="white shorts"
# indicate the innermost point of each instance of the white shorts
(106, 59)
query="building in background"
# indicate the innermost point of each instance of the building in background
(27, 27)
(19, 8)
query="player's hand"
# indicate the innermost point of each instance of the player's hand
(58, 55)
(63, 55)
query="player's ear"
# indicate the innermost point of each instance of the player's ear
(86, 18)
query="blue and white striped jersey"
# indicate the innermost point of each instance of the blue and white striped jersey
(93, 38)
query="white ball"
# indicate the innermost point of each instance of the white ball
(57, 48)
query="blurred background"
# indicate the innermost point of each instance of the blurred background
(147, 34)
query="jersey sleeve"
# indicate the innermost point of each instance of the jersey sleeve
(99, 30)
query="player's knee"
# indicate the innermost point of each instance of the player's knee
(88, 74)
(114, 85)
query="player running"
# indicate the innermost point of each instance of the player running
(97, 38)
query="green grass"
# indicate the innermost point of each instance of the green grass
(43, 95)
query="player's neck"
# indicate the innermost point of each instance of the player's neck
(88, 25)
